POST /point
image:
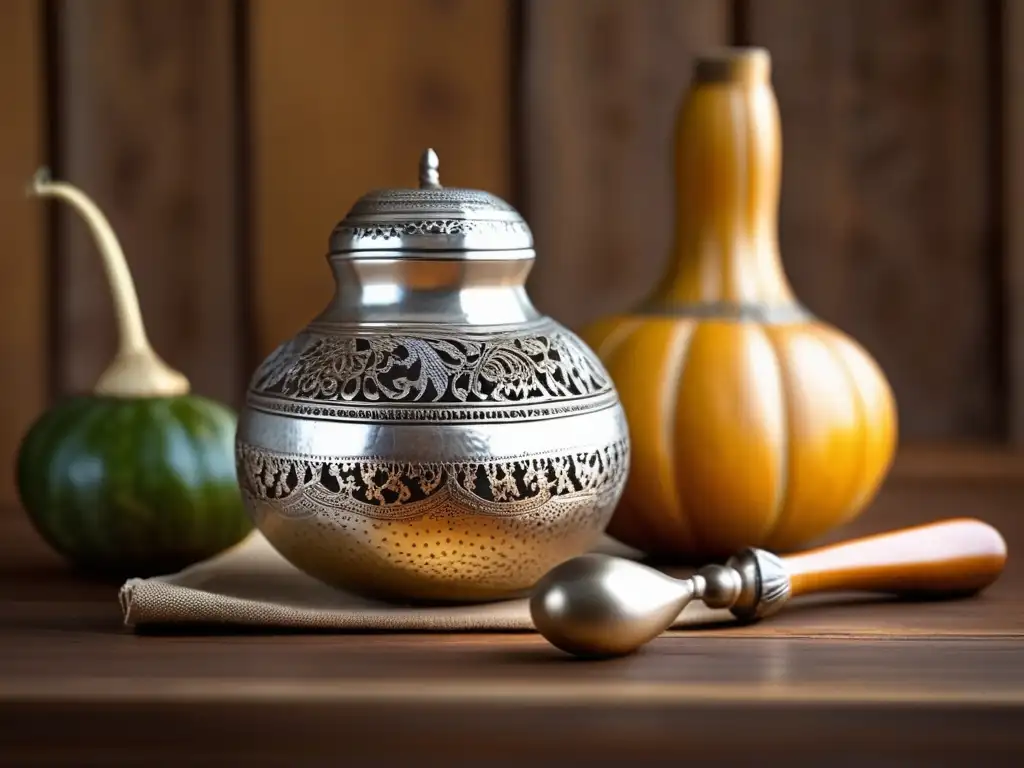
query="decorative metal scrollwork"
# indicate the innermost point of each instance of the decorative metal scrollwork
(387, 368)
(301, 486)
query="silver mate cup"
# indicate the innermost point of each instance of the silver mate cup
(430, 436)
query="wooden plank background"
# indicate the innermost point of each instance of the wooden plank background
(888, 217)
(24, 328)
(602, 83)
(144, 101)
(1011, 188)
(345, 95)
(225, 138)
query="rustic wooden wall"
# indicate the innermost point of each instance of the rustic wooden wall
(1010, 170)
(24, 325)
(602, 82)
(889, 224)
(345, 95)
(145, 122)
(889, 217)
(224, 138)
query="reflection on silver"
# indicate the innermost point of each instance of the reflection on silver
(430, 436)
(602, 606)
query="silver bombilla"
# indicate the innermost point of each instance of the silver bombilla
(601, 606)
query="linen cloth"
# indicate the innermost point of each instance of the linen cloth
(251, 585)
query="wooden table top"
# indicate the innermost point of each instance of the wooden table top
(847, 676)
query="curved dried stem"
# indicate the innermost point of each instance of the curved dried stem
(136, 370)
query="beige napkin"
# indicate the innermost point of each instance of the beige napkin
(251, 585)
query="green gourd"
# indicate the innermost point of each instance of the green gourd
(138, 477)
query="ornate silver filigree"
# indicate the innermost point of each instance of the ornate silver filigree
(388, 368)
(297, 486)
(417, 415)
(431, 217)
(430, 435)
(432, 227)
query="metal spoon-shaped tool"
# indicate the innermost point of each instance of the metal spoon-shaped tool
(602, 606)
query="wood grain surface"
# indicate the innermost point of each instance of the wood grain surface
(866, 677)
(24, 328)
(345, 97)
(146, 125)
(601, 83)
(1011, 182)
(888, 215)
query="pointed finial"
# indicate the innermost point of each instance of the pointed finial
(429, 177)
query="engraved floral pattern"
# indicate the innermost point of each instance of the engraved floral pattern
(433, 227)
(403, 368)
(302, 485)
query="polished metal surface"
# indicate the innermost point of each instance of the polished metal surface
(433, 222)
(430, 175)
(488, 295)
(410, 436)
(430, 436)
(767, 571)
(602, 606)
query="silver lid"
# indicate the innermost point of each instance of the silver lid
(432, 218)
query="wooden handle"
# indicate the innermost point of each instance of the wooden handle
(946, 558)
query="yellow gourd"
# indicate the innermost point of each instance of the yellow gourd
(752, 422)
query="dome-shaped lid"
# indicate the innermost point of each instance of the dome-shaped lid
(468, 223)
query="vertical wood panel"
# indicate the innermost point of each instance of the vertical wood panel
(603, 80)
(147, 128)
(1013, 203)
(23, 328)
(886, 223)
(345, 95)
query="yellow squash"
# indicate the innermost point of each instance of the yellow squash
(752, 422)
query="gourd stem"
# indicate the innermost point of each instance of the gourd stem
(136, 370)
